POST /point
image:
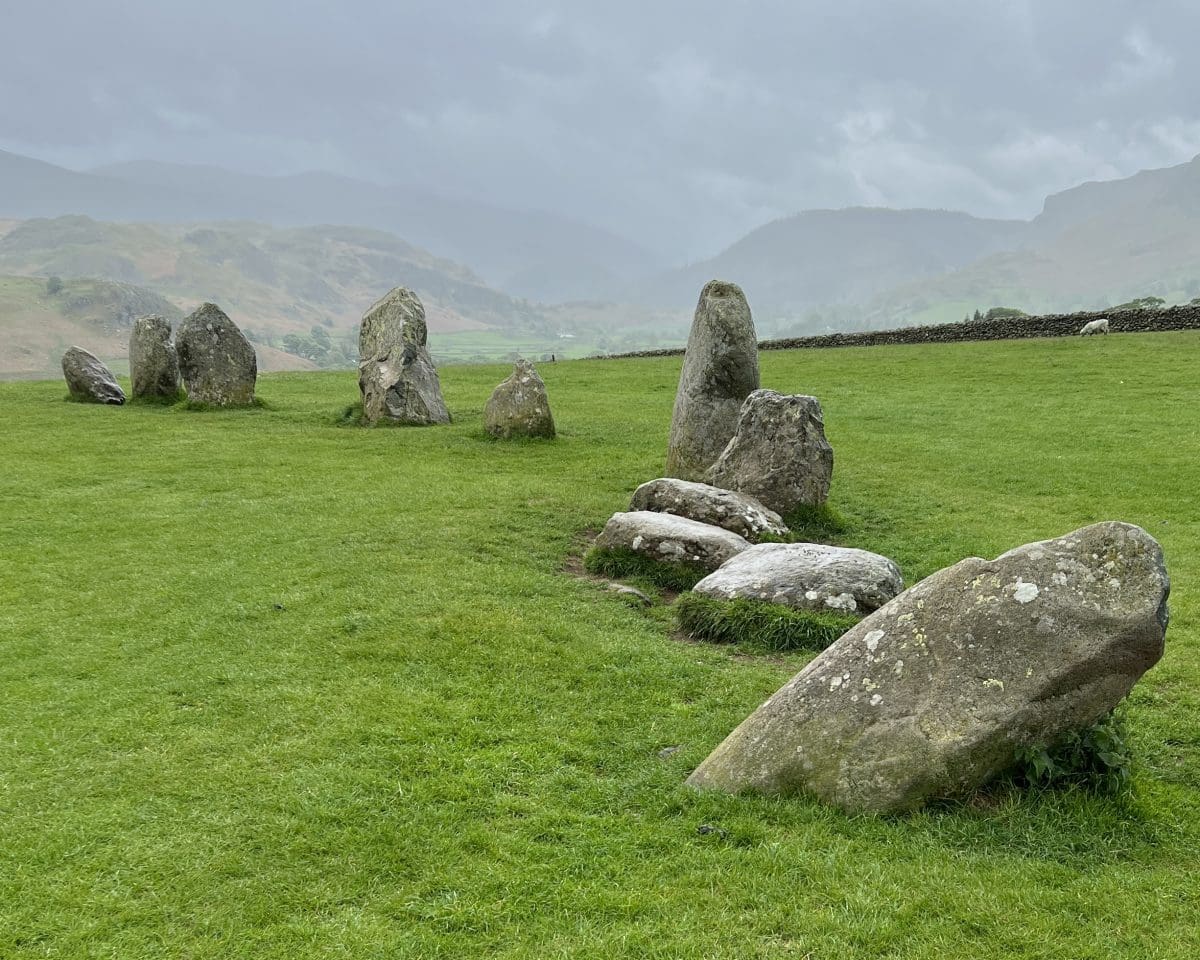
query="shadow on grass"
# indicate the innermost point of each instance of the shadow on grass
(755, 625)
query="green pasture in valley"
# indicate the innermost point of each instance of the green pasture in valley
(274, 687)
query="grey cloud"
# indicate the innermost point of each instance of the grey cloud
(679, 124)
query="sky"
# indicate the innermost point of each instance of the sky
(680, 125)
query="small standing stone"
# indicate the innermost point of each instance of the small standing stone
(720, 369)
(216, 361)
(396, 375)
(519, 407)
(778, 453)
(89, 380)
(153, 365)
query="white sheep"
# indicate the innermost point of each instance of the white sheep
(1094, 326)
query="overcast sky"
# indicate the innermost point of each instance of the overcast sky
(680, 124)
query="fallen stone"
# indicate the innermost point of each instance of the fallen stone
(737, 512)
(216, 360)
(807, 576)
(932, 695)
(153, 365)
(662, 536)
(720, 369)
(89, 380)
(519, 407)
(778, 453)
(396, 375)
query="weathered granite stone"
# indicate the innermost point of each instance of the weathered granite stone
(738, 512)
(932, 694)
(661, 536)
(89, 380)
(396, 374)
(778, 453)
(720, 369)
(519, 407)
(807, 576)
(216, 361)
(153, 365)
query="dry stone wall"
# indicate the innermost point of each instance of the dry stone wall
(1185, 317)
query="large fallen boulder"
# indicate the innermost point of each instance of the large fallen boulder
(932, 695)
(778, 453)
(720, 369)
(519, 407)
(396, 375)
(738, 512)
(88, 379)
(153, 365)
(662, 536)
(216, 360)
(807, 576)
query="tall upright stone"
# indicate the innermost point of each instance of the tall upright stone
(216, 360)
(89, 380)
(153, 364)
(396, 375)
(720, 369)
(519, 407)
(779, 453)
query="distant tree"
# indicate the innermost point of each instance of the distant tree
(1001, 313)
(978, 316)
(1142, 303)
(54, 285)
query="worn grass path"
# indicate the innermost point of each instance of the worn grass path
(271, 687)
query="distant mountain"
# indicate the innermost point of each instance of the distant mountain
(273, 282)
(536, 255)
(825, 257)
(276, 279)
(1093, 246)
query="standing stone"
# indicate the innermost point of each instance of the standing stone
(89, 380)
(720, 369)
(519, 407)
(216, 361)
(395, 371)
(153, 365)
(932, 695)
(778, 453)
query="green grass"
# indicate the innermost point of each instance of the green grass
(274, 688)
(757, 625)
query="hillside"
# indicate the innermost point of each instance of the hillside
(274, 282)
(37, 325)
(823, 257)
(277, 688)
(530, 253)
(1096, 245)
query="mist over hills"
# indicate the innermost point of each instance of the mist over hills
(532, 254)
(163, 227)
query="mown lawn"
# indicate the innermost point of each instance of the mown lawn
(274, 687)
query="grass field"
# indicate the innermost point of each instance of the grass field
(278, 688)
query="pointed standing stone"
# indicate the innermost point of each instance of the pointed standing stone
(519, 407)
(216, 361)
(720, 369)
(396, 374)
(153, 365)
